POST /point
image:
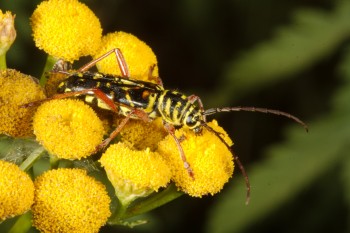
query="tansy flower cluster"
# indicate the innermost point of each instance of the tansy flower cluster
(67, 123)
(17, 89)
(61, 26)
(16, 191)
(141, 163)
(67, 199)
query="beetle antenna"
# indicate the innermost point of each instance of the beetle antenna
(235, 157)
(254, 109)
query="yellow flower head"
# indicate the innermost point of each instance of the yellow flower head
(17, 89)
(68, 128)
(66, 29)
(7, 31)
(138, 56)
(140, 135)
(68, 200)
(134, 173)
(16, 190)
(208, 156)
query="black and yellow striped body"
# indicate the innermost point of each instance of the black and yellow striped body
(176, 109)
(128, 94)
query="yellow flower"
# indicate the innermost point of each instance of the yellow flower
(210, 159)
(66, 29)
(138, 56)
(68, 200)
(68, 128)
(17, 89)
(7, 31)
(16, 190)
(134, 173)
(140, 135)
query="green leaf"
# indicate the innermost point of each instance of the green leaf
(17, 149)
(312, 36)
(290, 167)
(23, 224)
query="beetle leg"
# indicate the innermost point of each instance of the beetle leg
(152, 77)
(97, 92)
(120, 59)
(134, 112)
(171, 130)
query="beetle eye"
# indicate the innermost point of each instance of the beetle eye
(192, 121)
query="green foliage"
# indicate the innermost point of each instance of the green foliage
(313, 35)
(302, 160)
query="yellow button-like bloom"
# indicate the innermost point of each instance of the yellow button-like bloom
(134, 173)
(141, 135)
(68, 128)
(17, 89)
(16, 190)
(66, 29)
(68, 200)
(7, 31)
(138, 56)
(208, 156)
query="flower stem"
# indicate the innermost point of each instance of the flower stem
(119, 212)
(50, 62)
(35, 155)
(54, 161)
(3, 65)
(152, 202)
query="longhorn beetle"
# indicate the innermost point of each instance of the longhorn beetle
(146, 101)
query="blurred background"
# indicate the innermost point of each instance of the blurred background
(288, 55)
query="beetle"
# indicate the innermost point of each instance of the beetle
(135, 99)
